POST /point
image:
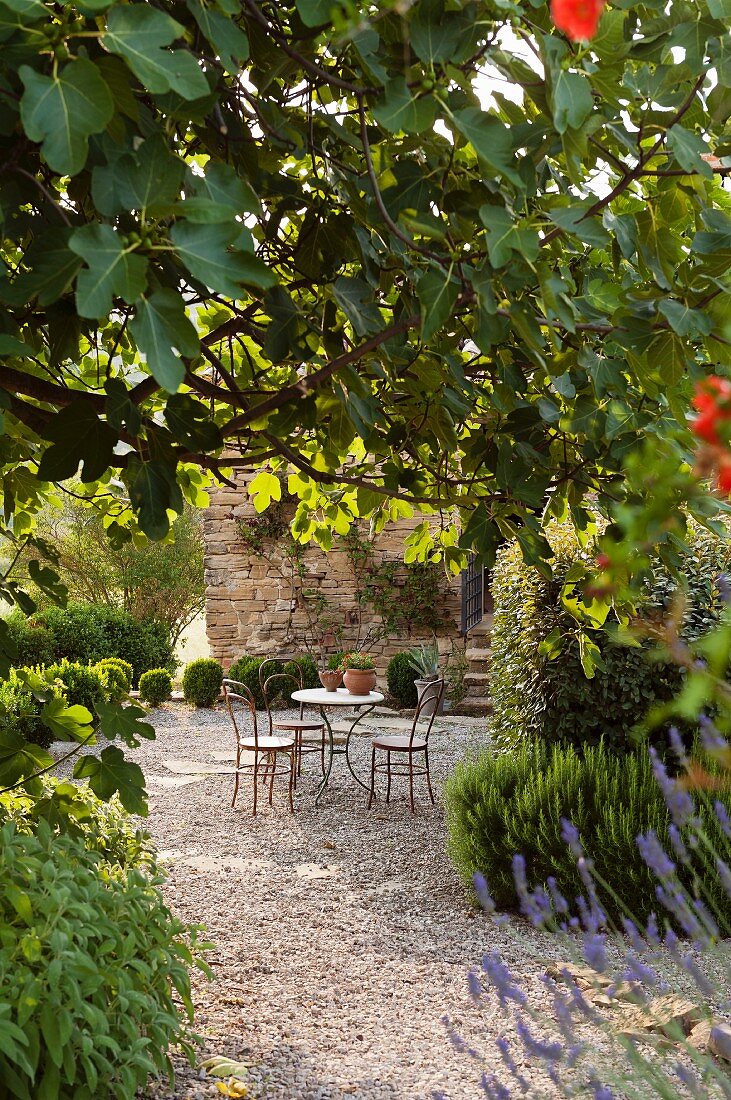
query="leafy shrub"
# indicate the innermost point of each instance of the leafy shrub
(502, 805)
(537, 694)
(400, 680)
(335, 660)
(63, 925)
(104, 827)
(202, 682)
(90, 633)
(20, 711)
(33, 642)
(308, 668)
(83, 685)
(246, 671)
(156, 686)
(116, 675)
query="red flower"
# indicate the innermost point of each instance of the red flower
(713, 400)
(724, 474)
(578, 19)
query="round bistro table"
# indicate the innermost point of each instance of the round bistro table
(341, 697)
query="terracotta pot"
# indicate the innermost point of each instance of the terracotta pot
(331, 678)
(359, 681)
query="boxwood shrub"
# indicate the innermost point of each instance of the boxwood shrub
(500, 805)
(156, 686)
(534, 696)
(34, 643)
(116, 675)
(94, 973)
(400, 679)
(20, 712)
(202, 682)
(83, 685)
(246, 671)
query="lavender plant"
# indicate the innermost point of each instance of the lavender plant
(621, 980)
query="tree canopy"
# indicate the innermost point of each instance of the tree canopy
(426, 256)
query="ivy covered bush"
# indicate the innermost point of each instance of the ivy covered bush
(94, 973)
(202, 682)
(90, 633)
(538, 681)
(400, 679)
(156, 686)
(501, 805)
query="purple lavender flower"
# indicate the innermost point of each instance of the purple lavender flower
(724, 873)
(499, 975)
(570, 836)
(723, 583)
(678, 801)
(506, 1054)
(655, 855)
(687, 1075)
(691, 967)
(537, 1048)
(535, 904)
(494, 1089)
(635, 970)
(676, 743)
(601, 1092)
(676, 843)
(723, 819)
(475, 985)
(560, 904)
(595, 951)
(483, 892)
(711, 739)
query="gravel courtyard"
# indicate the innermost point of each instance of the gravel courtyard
(343, 937)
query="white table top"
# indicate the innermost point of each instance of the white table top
(341, 697)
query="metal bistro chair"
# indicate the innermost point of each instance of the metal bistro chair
(417, 741)
(241, 706)
(278, 675)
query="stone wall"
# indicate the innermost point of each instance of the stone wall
(253, 604)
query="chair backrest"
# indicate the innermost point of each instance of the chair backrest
(427, 706)
(241, 706)
(279, 675)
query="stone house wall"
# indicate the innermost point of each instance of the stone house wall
(252, 603)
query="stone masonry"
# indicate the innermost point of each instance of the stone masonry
(253, 604)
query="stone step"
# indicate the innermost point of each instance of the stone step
(477, 655)
(473, 679)
(482, 630)
(477, 705)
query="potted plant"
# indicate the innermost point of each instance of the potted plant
(359, 673)
(424, 660)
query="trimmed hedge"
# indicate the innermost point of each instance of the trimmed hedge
(400, 679)
(502, 805)
(90, 633)
(34, 642)
(202, 682)
(552, 699)
(156, 686)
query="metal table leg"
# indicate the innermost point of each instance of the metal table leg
(326, 776)
(358, 718)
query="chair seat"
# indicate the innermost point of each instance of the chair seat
(267, 743)
(298, 724)
(398, 744)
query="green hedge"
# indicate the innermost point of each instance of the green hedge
(93, 969)
(34, 642)
(400, 679)
(83, 685)
(89, 633)
(510, 803)
(202, 682)
(534, 696)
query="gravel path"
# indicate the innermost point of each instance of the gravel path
(343, 936)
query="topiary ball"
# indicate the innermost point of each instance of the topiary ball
(400, 679)
(202, 682)
(156, 686)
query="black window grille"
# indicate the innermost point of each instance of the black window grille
(472, 595)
